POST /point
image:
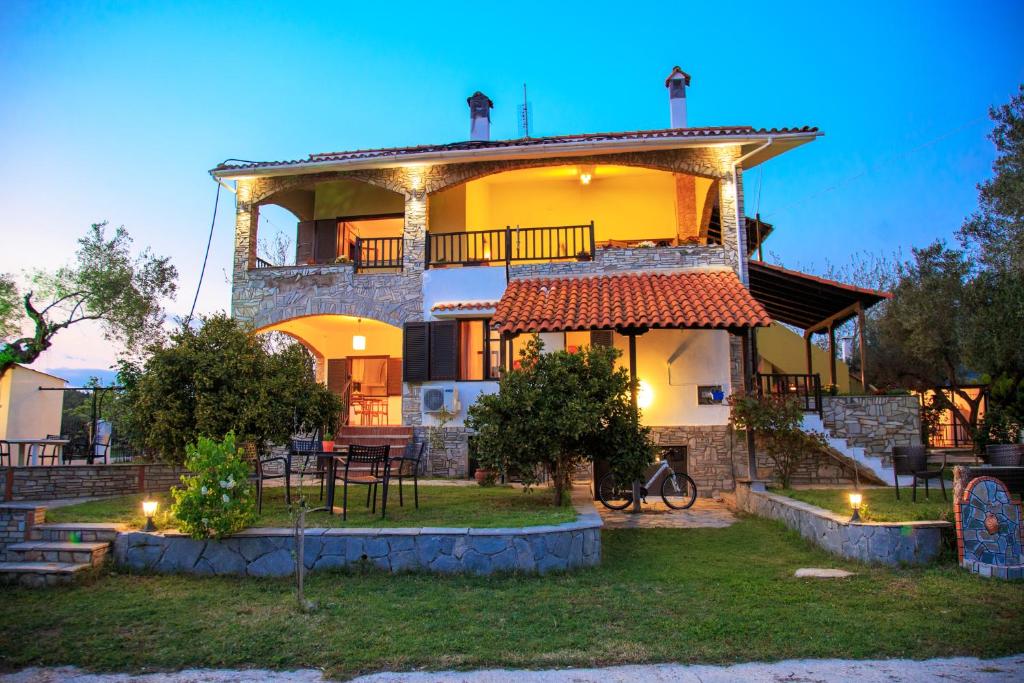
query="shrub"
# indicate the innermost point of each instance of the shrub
(776, 422)
(217, 499)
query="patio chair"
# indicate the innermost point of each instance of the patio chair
(77, 449)
(913, 461)
(266, 469)
(302, 459)
(370, 470)
(408, 467)
(1003, 455)
(5, 454)
(48, 451)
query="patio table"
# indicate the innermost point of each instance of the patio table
(24, 444)
(331, 473)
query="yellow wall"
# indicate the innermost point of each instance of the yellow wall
(352, 198)
(26, 412)
(782, 350)
(623, 202)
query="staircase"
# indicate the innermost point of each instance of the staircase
(58, 554)
(395, 436)
(871, 465)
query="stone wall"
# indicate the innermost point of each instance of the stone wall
(714, 457)
(269, 552)
(84, 481)
(891, 543)
(815, 470)
(875, 423)
(16, 521)
(628, 260)
(453, 459)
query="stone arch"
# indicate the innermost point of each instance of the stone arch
(392, 179)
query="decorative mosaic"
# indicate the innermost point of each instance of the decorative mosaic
(988, 527)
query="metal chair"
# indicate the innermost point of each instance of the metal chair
(5, 454)
(371, 469)
(1003, 455)
(408, 467)
(303, 461)
(913, 461)
(49, 451)
(266, 469)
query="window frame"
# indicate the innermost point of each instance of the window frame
(485, 359)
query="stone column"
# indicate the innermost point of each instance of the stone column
(733, 222)
(413, 253)
(247, 216)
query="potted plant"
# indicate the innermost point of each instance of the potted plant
(582, 255)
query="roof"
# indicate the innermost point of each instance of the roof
(586, 143)
(457, 306)
(804, 300)
(694, 299)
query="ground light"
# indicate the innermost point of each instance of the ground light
(855, 501)
(149, 509)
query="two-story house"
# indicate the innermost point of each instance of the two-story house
(426, 268)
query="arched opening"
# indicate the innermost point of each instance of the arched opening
(359, 359)
(322, 224)
(629, 206)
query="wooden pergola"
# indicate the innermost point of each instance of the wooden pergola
(813, 304)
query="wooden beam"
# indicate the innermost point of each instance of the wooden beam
(837, 318)
(807, 350)
(832, 355)
(863, 351)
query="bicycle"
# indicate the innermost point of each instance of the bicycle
(677, 489)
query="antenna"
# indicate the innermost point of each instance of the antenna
(524, 116)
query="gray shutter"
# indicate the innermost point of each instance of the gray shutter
(326, 244)
(444, 349)
(304, 243)
(415, 352)
(602, 338)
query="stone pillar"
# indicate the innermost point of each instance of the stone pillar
(687, 221)
(247, 216)
(414, 243)
(731, 210)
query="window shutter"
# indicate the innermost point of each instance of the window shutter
(326, 244)
(304, 243)
(444, 349)
(415, 352)
(602, 338)
(337, 376)
(394, 376)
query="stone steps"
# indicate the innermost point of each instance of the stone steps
(39, 574)
(59, 552)
(76, 532)
(875, 465)
(42, 554)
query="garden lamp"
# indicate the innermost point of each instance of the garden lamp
(149, 509)
(855, 500)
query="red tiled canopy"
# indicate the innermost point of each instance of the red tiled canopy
(708, 300)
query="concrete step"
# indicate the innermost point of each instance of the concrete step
(39, 574)
(76, 532)
(62, 552)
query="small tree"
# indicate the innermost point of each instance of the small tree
(216, 498)
(776, 423)
(105, 283)
(557, 411)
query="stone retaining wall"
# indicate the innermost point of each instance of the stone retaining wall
(86, 481)
(875, 423)
(269, 552)
(890, 543)
(713, 455)
(16, 521)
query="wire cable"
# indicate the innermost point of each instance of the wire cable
(206, 256)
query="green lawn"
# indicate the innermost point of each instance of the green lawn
(454, 506)
(699, 595)
(880, 505)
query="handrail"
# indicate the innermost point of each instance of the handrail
(374, 253)
(510, 245)
(263, 263)
(807, 388)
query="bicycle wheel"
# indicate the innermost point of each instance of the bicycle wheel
(613, 496)
(678, 491)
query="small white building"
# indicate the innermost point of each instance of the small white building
(25, 411)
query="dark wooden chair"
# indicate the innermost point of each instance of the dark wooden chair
(366, 466)
(266, 469)
(913, 461)
(1003, 455)
(302, 460)
(48, 452)
(408, 467)
(5, 454)
(78, 449)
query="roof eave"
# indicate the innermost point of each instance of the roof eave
(784, 141)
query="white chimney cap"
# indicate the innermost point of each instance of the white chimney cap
(676, 74)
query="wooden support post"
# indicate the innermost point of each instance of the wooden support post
(832, 355)
(750, 360)
(807, 350)
(863, 351)
(633, 382)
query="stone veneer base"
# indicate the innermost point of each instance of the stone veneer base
(268, 552)
(889, 543)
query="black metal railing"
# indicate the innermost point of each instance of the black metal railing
(948, 434)
(511, 245)
(805, 388)
(376, 253)
(263, 263)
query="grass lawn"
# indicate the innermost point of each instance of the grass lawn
(697, 595)
(880, 505)
(454, 506)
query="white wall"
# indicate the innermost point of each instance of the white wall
(461, 284)
(26, 412)
(468, 393)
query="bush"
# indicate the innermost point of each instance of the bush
(217, 499)
(776, 422)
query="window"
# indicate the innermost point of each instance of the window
(479, 350)
(451, 349)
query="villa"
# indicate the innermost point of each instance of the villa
(421, 271)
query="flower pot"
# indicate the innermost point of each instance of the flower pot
(481, 475)
(717, 396)
(328, 446)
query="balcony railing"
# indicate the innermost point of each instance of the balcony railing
(511, 245)
(805, 388)
(378, 253)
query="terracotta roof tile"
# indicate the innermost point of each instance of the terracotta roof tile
(446, 306)
(667, 300)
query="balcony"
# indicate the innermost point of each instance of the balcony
(510, 245)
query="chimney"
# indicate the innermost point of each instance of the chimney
(479, 116)
(676, 84)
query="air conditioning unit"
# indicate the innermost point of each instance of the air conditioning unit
(436, 399)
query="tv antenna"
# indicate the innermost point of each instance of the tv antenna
(524, 116)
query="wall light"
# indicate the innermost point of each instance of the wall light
(855, 502)
(586, 174)
(644, 395)
(149, 509)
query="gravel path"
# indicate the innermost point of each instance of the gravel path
(962, 669)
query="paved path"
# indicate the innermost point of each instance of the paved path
(959, 670)
(705, 514)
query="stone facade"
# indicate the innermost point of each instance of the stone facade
(815, 470)
(16, 522)
(84, 481)
(628, 260)
(714, 456)
(269, 552)
(453, 459)
(893, 543)
(875, 423)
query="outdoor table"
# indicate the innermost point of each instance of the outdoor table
(331, 472)
(22, 444)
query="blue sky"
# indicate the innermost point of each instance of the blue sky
(116, 111)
